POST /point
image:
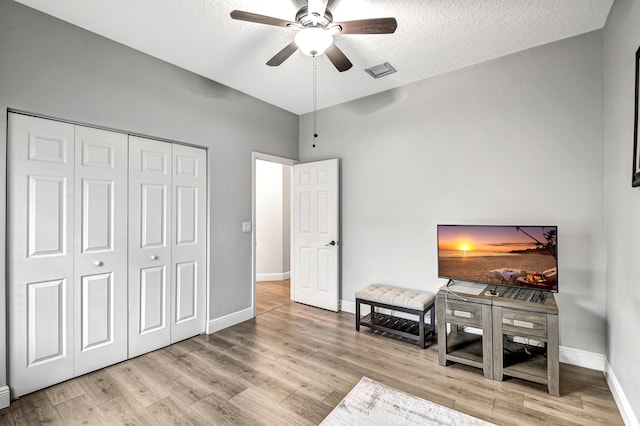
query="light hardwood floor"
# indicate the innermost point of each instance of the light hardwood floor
(271, 295)
(291, 365)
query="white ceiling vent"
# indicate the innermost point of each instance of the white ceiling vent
(380, 70)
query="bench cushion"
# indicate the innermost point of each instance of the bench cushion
(397, 296)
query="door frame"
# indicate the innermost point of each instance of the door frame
(273, 159)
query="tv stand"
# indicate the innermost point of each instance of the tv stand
(506, 322)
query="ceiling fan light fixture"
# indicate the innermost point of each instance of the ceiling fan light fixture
(315, 18)
(313, 41)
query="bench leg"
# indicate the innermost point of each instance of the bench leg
(421, 336)
(432, 310)
(357, 314)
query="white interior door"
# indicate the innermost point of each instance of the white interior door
(188, 251)
(40, 165)
(316, 250)
(100, 289)
(149, 245)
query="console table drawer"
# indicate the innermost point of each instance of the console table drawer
(524, 324)
(466, 314)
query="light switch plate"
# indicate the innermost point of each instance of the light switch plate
(246, 226)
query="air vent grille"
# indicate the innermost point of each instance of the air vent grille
(381, 70)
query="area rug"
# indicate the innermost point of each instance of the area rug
(372, 403)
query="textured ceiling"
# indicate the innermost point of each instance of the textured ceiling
(433, 37)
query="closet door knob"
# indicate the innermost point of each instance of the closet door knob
(98, 263)
(154, 257)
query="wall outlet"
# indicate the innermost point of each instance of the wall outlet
(246, 226)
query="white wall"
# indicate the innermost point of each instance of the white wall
(517, 140)
(622, 202)
(269, 221)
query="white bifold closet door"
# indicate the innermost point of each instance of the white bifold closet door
(106, 248)
(167, 243)
(100, 276)
(188, 242)
(67, 259)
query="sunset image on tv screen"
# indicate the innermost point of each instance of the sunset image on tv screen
(524, 256)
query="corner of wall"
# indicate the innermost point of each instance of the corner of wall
(619, 396)
(230, 320)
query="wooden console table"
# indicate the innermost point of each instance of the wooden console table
(507, 325)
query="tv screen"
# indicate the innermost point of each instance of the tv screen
(520, 256)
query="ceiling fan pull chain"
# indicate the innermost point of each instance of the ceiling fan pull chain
(315, 102)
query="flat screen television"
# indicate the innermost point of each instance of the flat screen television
(518, 256)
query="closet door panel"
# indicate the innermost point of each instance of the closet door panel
(189, 189)
(150, 263)
(46, 215)
(40, 167)
(186, 303)
(153, 289)
(46, 321)
(96, 311)
(101, 248)
(153, 219)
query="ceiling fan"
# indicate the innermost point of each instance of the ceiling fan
(316, 31)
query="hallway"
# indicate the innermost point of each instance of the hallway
(271, 295)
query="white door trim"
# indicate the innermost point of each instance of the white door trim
(274, 159)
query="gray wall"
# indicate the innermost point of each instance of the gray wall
(52, 68)
(622, 202)
(517, 140)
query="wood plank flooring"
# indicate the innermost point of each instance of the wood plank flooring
(291, 365)
(271, 295)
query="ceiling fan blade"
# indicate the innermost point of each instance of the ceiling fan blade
(282, 55)
(369, 26)
(259, 19)
(338, 59)
(317, 7)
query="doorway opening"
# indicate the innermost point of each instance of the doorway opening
(272, 232)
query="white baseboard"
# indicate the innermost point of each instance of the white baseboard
(5, 397)
(347, 306)
(229, 320)
(581, 358)
(276, 276)
(629, 417)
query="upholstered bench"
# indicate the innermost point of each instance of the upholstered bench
(416, 302)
